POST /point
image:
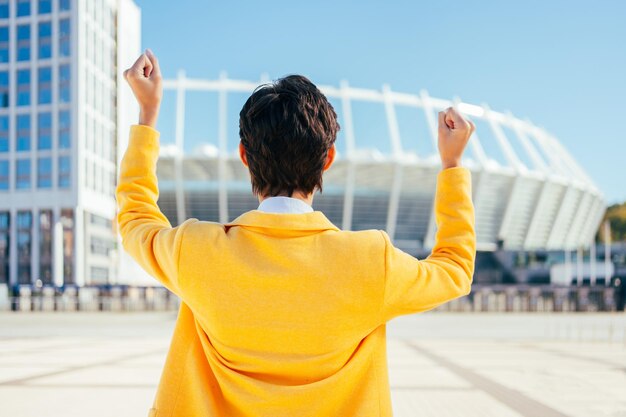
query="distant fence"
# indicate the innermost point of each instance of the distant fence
(536, 298)
(483, 298)
(27, 298)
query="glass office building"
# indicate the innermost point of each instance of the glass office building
(60, 64)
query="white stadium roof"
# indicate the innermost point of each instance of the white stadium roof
(534, 196)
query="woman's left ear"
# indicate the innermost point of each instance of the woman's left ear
(242, 154)
(331, 157)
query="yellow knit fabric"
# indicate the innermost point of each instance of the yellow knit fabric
(283, 314)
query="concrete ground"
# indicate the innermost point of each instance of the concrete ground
(440, 364)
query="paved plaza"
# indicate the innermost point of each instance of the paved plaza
(440, 364)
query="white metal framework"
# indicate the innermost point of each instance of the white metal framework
(537, 197)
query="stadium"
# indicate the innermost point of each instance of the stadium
(530, 195)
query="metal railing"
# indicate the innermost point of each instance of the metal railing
(483, 298)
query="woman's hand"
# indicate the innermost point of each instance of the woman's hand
(145, 79)
(454, 133)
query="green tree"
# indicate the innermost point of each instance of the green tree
(616, 215)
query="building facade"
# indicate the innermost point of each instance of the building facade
(60, 66)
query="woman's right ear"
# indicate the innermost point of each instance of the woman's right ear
(242, 154)
(332, 152)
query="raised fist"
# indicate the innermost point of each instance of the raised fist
(454, 133)
(144, 78)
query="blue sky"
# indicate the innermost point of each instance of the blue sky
(561, 64)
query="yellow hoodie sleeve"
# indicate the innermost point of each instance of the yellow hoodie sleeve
(146, 233)
(412, 285)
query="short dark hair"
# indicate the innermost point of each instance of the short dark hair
(287, 128)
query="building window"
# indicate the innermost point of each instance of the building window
(89, 176)
(44, 130)
(22, 177)
(4, 44)
(97, 134)
(45, 6)
(64, 171)
(64, 84)
(88, 136)
(99, 275)
(23, 42)
(4, 89)
(23, 8)
(64, 129)
(67, 220)
(97, 170)
(65, 5)
(64, 37)
(45, 85)
(113, 142)
(4, 9)
(23, 132)
(23, 87)
(45, 40)
(106, 145)
(5, 221)
(90, 90)
(112, 181)
(24, 241)
(45, 246)
(100, 101)
(4, 175)
(90, 41)
(111, 26)
(100, 221)
(4, 133)
(44, 172)
(100, 246)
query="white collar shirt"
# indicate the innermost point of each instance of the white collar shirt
(281, 204)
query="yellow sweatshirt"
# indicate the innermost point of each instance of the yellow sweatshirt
(283, 314)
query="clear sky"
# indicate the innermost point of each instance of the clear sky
(561, 64)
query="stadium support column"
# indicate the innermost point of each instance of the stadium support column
(474, 143)
(394, 199)
(57, 247)
(592, 263)
(607, 253)
(552, 153)
(505, 224)
(575, 226)
(567, 159)
(579, 265)
(481, 157)
(34, 258)
(13, 246)
(519, 168)
(593, 222)
(514, 163)
(348, 200)
(568, 265)
(526, 143)
(430, 119)
(503, 141)
(223, 151)
(544, 195)
(558, 227)
(580, 231)
(180, 146)
(429, 238)
(78, 269)
(539, 165)
(396, 144)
